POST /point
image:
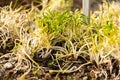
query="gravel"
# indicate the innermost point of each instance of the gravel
(8, 65)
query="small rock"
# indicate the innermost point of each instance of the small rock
(92, 73)
(8, 65)
(85, 78)
(57, 78)
(47, 76)
(2, 71)
(0, 74)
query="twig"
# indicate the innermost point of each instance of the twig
(68, 71)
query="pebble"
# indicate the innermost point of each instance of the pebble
(85, 78)
(47, 76)
(8, 65)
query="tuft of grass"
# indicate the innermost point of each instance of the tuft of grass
(59, 38)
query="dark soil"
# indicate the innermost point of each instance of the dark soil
(108, 70)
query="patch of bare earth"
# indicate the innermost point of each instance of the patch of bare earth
(10, 69)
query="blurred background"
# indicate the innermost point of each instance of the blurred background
(53, 4)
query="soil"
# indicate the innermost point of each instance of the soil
(108, 70)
